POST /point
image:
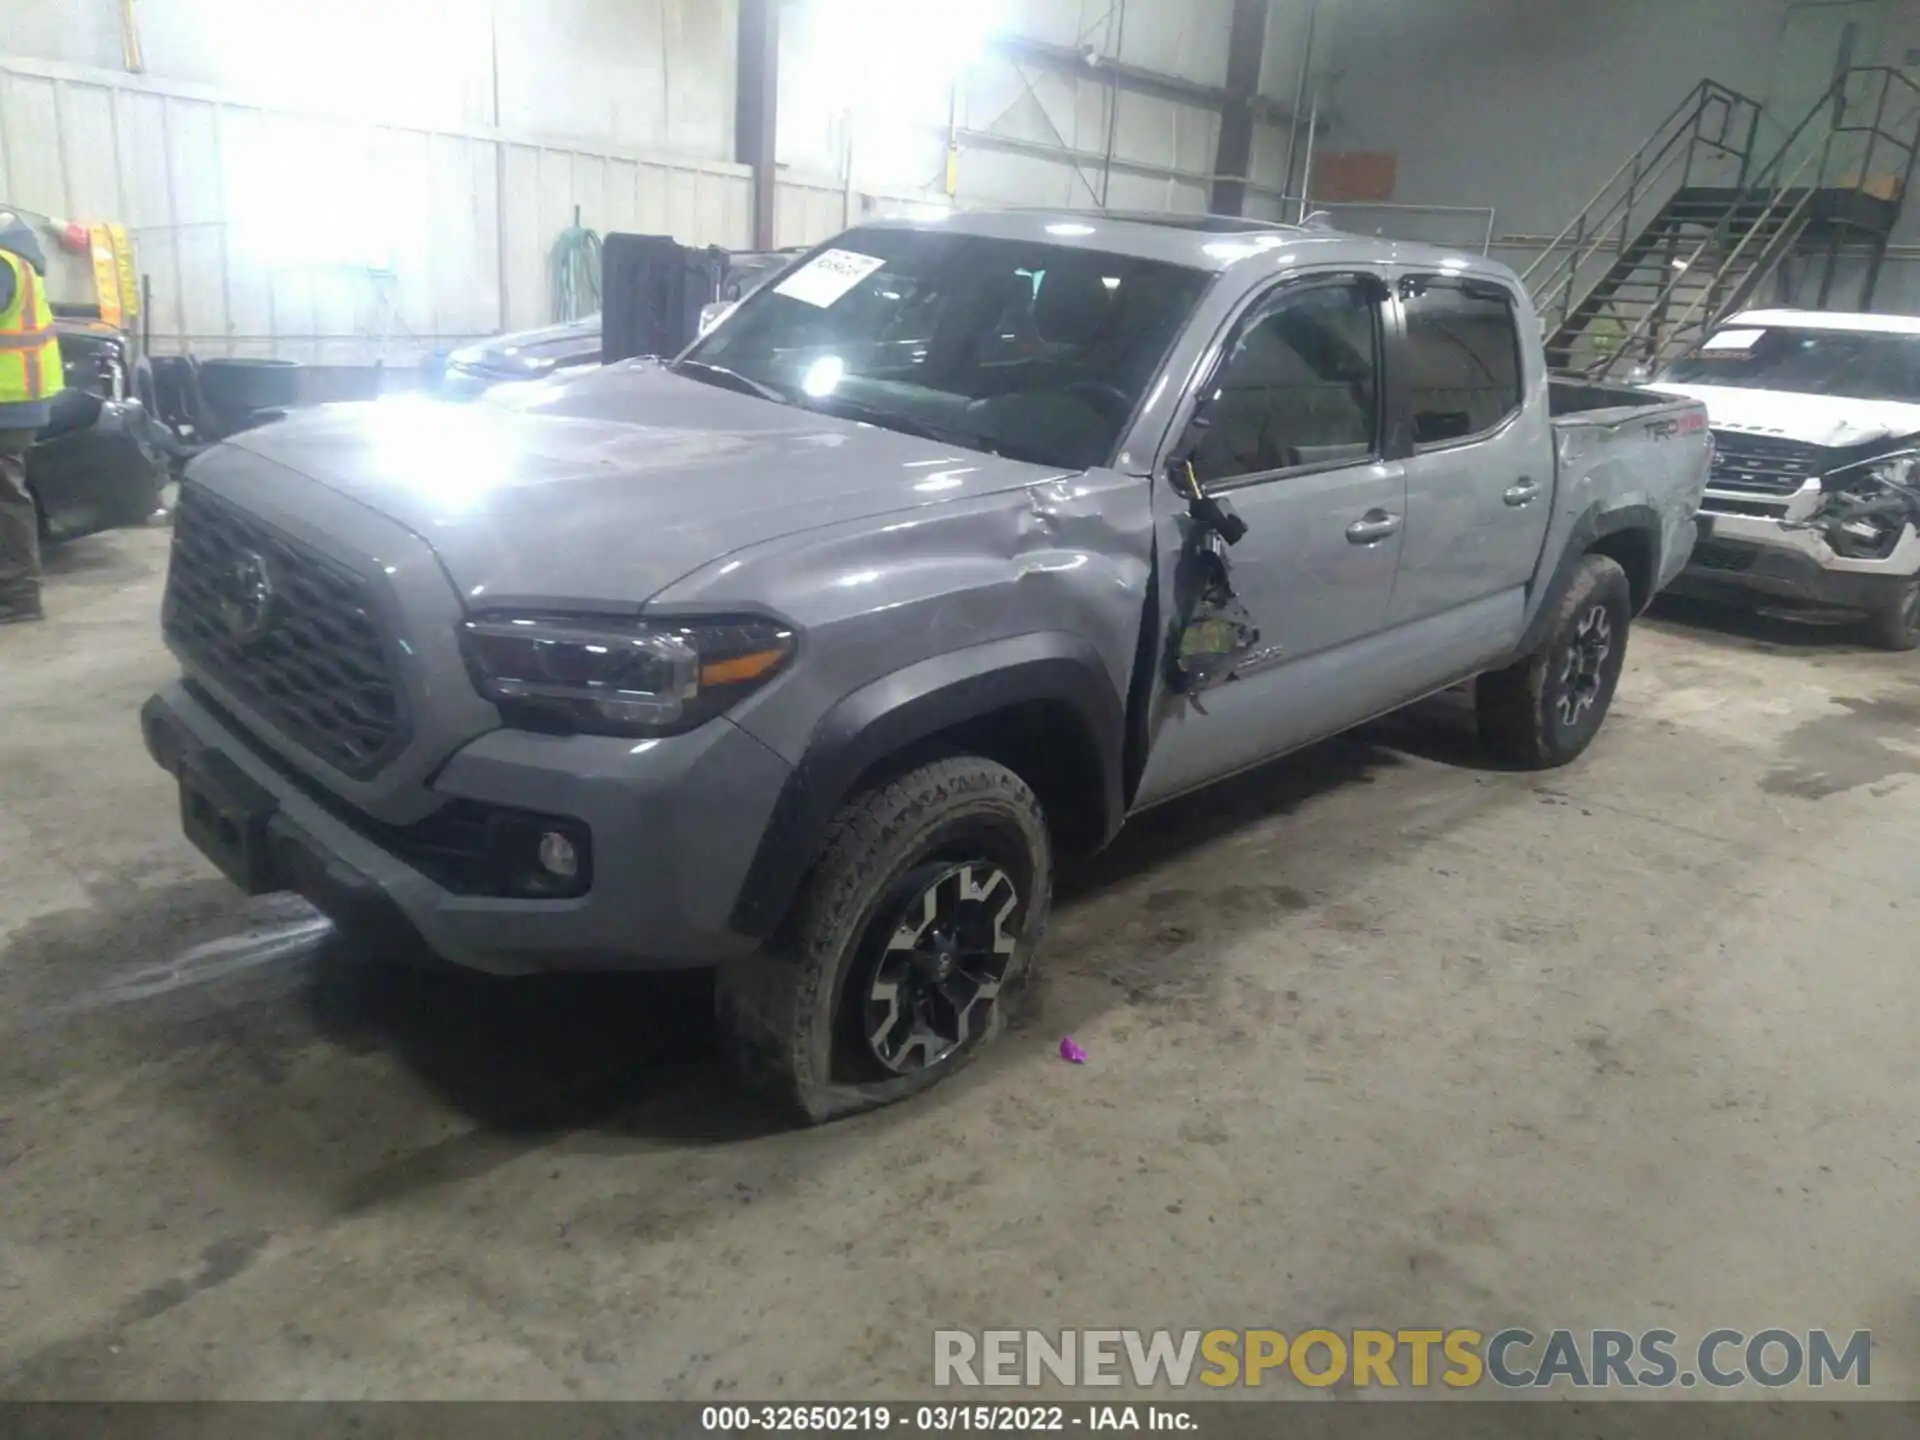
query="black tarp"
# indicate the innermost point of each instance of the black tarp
(652, 291)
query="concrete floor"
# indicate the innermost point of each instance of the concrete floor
(1376, 1037)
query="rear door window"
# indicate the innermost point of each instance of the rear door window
(1463, 360)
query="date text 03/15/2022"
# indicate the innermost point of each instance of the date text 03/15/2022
(943, 1419)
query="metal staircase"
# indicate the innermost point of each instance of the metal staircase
(1707, 212)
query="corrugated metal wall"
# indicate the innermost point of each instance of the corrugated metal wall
(445, 259)
(297, 193)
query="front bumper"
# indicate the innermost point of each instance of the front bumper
(1759, 555)
(674, 826)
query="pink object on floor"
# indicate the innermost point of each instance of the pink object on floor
(1070, 1052)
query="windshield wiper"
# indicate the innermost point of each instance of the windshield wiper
(720, 375)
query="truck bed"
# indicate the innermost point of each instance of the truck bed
(1621, 449)
(1603, 404)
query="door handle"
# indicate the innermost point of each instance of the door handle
(1523, 493)
(1373, 527)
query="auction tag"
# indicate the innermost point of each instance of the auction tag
(1740, 340)
(825, 278)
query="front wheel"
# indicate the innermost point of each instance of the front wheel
(918, 923)
(1895, 625)
(1544, 710)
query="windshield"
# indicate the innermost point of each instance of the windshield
(1850, 364)
(1037, 352)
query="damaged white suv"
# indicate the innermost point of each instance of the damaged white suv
(1815, 494)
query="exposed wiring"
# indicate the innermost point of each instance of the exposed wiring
(576, 271)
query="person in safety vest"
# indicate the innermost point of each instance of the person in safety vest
(30, 376)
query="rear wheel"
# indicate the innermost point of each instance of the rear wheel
(1896, 624)
(1545, 710)
(916, 927)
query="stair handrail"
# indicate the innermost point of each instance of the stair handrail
(1876, 129)
(1761, 184)
(1657, 350)
(1836, 91)
(1737, 296)
(1691, 104)
(1681, 130)
(1764, 177)
(1601, 237)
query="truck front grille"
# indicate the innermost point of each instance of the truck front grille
(1763, 464)
(289, 634)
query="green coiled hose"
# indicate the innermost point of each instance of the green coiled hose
(576, 271)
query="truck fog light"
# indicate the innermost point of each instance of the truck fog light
(558, 857)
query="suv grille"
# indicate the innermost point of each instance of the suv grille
(287, 632)
(1763, 465)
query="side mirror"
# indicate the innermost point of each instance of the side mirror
(712, 315)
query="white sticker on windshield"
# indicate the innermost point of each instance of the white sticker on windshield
(1740, 340)
(825, 278)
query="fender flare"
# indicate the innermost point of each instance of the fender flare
(892, 715)
(1593, 526)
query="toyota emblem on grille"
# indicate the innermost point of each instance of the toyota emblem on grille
(247, 603)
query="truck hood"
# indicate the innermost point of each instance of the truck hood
(605, 490)
(1832, 421)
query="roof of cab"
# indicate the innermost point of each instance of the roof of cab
(1202, 242)
(1824, 320)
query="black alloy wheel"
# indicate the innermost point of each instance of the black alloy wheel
(942, 956)
(1583, 673)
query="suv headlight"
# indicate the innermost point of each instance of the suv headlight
(600, 677)
(1868, 505)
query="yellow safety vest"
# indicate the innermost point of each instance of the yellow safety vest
(30, 369)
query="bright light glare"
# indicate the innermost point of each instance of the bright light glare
(942, 35)
(1232, 250)
(938, 483)
(1070, 229)
(314, 193)
(451, 454)
(889, 65)
(823, 377)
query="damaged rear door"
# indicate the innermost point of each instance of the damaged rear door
(1288, 428)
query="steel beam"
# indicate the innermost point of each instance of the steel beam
(1090, 65)
(756, 108)
(1082, 160)
(1233, 159)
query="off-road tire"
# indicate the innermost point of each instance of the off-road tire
(1896, 624)
(779, 1010)
(1519, 709)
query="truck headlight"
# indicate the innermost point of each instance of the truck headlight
(600, 677)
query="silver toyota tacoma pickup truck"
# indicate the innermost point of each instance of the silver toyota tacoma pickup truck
(804, 656)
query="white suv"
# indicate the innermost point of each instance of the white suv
(1815, 495)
